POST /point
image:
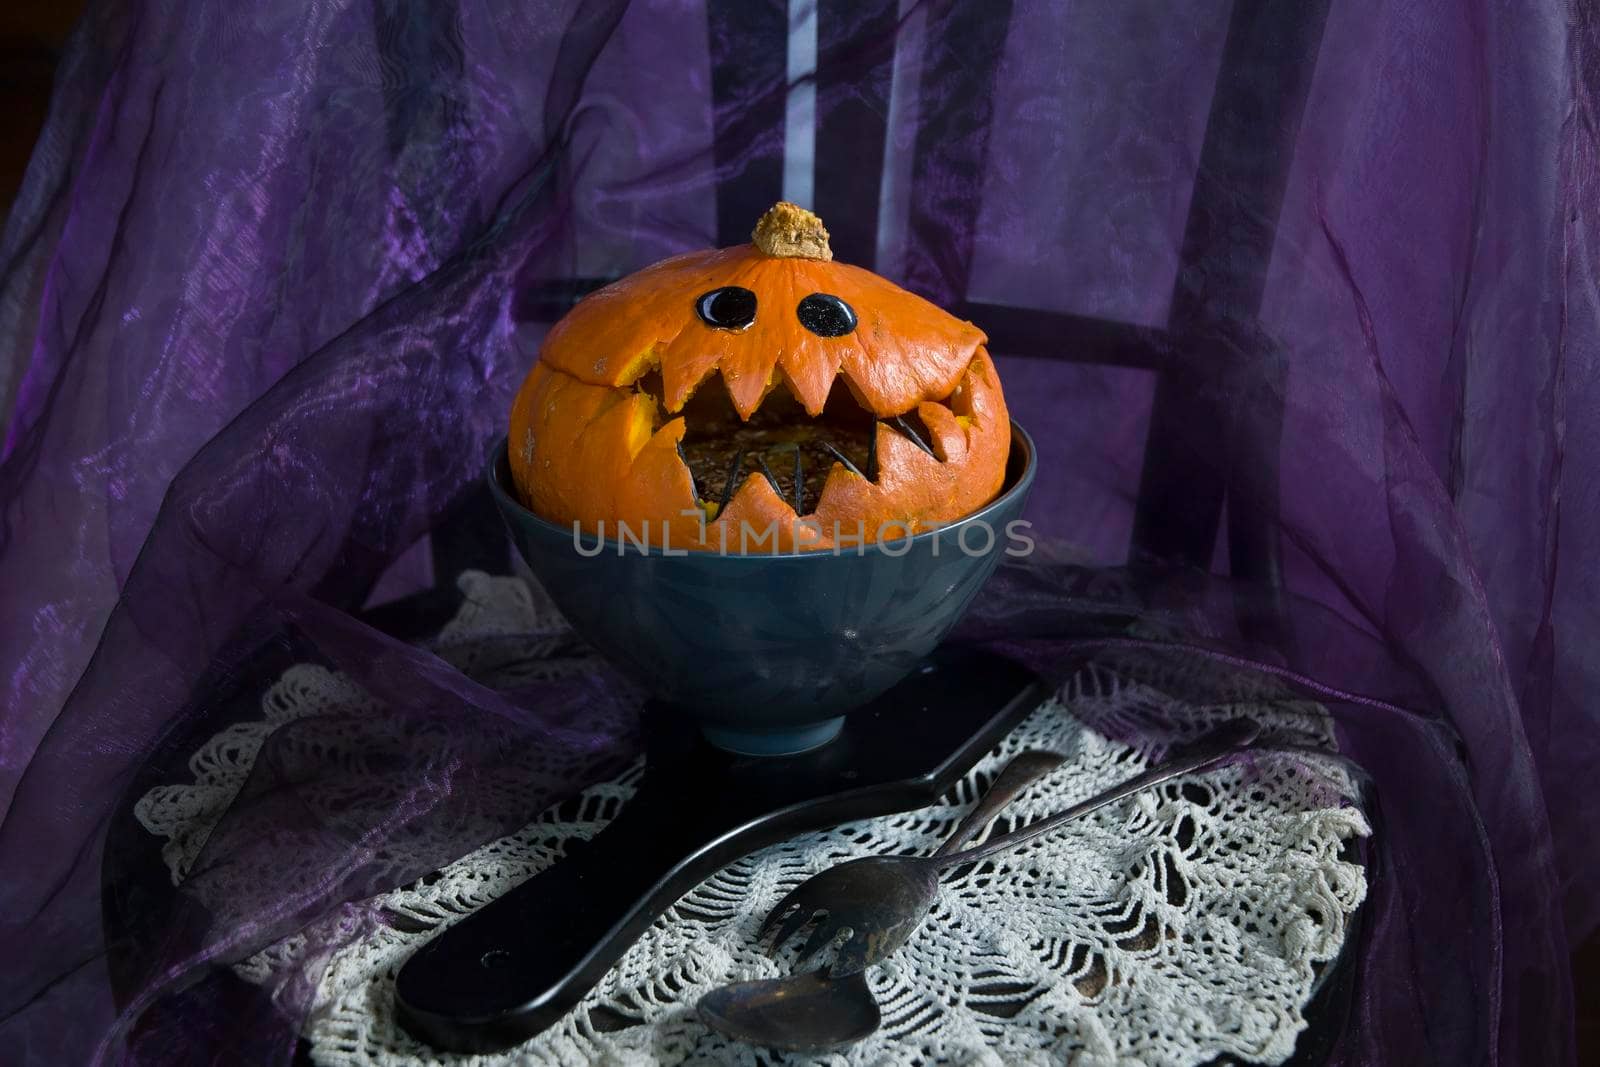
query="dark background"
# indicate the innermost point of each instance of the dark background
(32, 35)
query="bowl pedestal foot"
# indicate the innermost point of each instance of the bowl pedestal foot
(774, 742)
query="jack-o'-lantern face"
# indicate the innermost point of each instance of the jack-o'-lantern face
(848, 409)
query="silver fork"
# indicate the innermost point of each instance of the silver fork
(812, 1012)
(876, 902)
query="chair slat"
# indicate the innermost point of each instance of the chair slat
(1264, 77)
(964, 41)
(749, 79)
(855, 61)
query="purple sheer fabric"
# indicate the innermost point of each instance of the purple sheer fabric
(257, 308)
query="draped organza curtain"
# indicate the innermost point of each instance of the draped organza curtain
(259, 328)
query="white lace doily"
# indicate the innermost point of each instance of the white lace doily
(1183, 924)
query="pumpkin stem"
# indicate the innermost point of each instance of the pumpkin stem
(790, 230)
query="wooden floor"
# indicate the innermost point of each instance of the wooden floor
(32, 34)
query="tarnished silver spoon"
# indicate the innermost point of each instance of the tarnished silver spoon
(812, 1012)
(807, 1012)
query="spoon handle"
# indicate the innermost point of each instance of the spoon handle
(1024, 769)
(1221, 745)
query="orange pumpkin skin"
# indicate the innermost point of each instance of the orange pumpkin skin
(587, 446)
(904, 350)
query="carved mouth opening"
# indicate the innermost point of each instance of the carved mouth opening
(795, 451)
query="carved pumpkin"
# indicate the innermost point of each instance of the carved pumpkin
(845, 401)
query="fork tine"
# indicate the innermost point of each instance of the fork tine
(797, 897)
(784, 907)
(793, 899)
(793, 923)
(824, 935)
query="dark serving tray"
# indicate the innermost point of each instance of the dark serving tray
(521, 962)
(696, 810)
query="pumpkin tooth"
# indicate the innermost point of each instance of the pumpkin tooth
(686, 363)
(675, 392)
(947, 431)
(747, 390)
(684, 459)
(809, 380)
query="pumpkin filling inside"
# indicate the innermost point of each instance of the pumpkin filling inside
(793, 450)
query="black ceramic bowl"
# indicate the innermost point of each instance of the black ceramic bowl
(768, 651)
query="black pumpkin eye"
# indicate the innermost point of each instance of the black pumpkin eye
(730, 308)
(826, 315)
